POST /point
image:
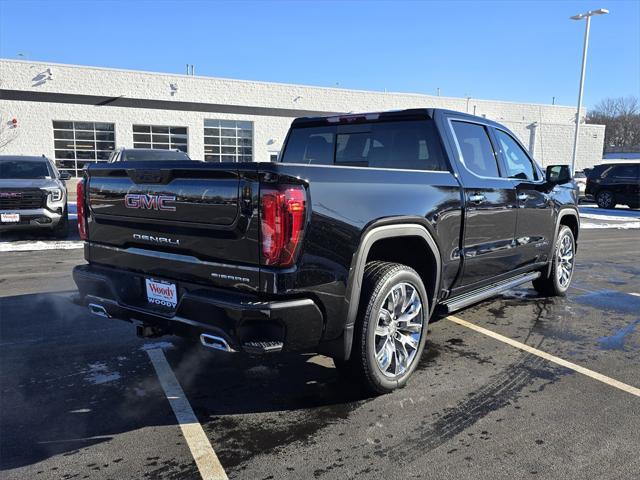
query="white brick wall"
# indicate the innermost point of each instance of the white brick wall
(553, 142)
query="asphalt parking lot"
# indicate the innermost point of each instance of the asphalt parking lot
(82, 397)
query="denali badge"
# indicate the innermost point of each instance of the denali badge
(150, 202)
(154, 239)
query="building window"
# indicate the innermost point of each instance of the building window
(228, 141)
(79, 143)
(159, 137)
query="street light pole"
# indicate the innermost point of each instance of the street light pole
(585, 46)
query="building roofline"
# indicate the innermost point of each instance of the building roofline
(263, 82)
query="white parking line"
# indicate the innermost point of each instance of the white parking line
(552, 358)
(201, 449)
(581, 289)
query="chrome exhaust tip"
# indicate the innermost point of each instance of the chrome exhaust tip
(217, 343)
(98, 310)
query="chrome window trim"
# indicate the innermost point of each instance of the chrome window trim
(367, 168)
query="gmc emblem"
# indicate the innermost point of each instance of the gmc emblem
(10, 194)
(150, 202)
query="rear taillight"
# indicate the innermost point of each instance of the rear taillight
(282, 216)
(82, 220)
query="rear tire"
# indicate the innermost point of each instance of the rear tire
(562, 266)
(605, 199)
(391, 328)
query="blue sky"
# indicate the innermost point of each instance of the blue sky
(506, 50)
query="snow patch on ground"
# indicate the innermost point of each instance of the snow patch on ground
(627, 213)
(40, 245)
(622, 225)
(613, 218)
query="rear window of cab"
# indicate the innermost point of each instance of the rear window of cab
(412, 145)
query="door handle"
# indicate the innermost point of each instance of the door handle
(477, 198)
(522, 197)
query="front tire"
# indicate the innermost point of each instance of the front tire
(605, 199)
(563, 263)
(391, 328)
(61, 230)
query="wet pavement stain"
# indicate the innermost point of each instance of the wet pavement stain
(618, 339)
(244, 438)
(611, 300)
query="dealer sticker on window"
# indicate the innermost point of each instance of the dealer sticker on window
(9, 217)
(161, 293)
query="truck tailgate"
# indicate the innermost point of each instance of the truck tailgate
(191, 221)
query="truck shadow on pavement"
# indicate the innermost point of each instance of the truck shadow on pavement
(72, 381)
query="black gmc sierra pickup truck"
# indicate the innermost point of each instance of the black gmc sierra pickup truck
(346, 246)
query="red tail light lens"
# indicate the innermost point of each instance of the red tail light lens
(282, 211)
(82, 220)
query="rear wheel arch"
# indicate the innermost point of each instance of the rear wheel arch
(419, 250)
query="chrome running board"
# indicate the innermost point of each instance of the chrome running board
(466, 299)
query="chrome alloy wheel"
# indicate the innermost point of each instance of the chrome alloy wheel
(565, 259)
(398, 331)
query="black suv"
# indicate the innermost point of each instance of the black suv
(615, 183)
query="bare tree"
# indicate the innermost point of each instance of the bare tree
(8, 132)
(621, 116)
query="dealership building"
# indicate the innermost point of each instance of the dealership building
(78, 114)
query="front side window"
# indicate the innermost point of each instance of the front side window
(79, 143)
(517, 162)
(476, 149)
(228, 141)
(160, 137)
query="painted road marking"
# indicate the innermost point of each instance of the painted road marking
(581, 289)
(552, 358)
(201, 449)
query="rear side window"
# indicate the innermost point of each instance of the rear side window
(412, 145)
(313, 146)
(623, 171)
(477, 153)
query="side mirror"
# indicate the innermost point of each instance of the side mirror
(65, 176)
(558, 174)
